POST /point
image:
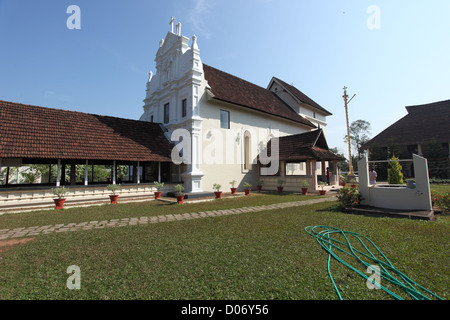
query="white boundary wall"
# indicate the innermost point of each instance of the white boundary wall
(397, 197)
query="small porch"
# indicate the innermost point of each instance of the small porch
(302, 159)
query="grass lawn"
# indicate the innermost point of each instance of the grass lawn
(258, 255)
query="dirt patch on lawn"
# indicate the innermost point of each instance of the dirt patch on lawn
(6, 245)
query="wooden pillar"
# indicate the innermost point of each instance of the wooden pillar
(73, 177)
(58, 173)
(63, 173)
(323, 170)
(134, 173)
(283, 170)
(86, 177)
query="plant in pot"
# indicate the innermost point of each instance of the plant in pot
(158, 186)
(179, 193)
(410, 183)
(247, 188)
(280, 185)
(305, 186)
(218, 193)
(113, 188)
(352, 182)
(322, 185)
(59, 192)
(233, 188)
(259, 185)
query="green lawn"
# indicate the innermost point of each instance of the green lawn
(259, 255)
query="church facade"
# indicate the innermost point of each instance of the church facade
(220, 123)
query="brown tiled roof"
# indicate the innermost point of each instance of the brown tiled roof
(228, 88)
(45, 133)
(300, 96)
(304, 146)
(419, 126)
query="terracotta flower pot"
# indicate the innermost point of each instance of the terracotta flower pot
(59, 203)
(322, 192)
(233, 190)
(259, 188)
(180, 198)
(280, 189)
(247, 191)
(218, 194)
(113, 198)
(157, 194)
(305, 191)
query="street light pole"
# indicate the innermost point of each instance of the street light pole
(346, 101)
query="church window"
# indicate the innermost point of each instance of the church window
(183, 108)
(247, 158)
(166, 113)
(224, 119)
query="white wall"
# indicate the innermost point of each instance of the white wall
(401, 197)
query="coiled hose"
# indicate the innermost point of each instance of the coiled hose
(326, 237)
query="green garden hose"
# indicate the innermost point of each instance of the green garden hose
(385, 271)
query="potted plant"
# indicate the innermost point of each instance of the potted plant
(247, 188)
(59, 192)
(280, 185)
(322, 185)
(158, 186)
(179, 193)
(233, 188)
(259, 185)
(305, 186)
(410, 183)
(218, 193)
(113, 188)
(352, 182)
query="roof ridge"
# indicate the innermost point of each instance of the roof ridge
(65, 110)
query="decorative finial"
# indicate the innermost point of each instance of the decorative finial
(178, 28)
(150, 76)
(194, 42)
(172, 20)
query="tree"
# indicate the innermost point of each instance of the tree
(395, 175)
(359, 134)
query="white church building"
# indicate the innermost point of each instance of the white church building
(200, 126)
(221, 124)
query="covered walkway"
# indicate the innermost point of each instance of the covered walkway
(78, 149)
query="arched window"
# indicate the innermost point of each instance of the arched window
(247, 151)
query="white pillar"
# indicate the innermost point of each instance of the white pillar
(58, 173)
(114, 172)
(159, 171)
(86, 178)
(314, 174)
(138, 173)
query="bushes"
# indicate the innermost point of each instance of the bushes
(440, 200)
(349, 198)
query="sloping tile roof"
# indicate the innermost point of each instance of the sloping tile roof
(38, 132)
(304, 146)
(419, 126)
(228, 88)
(300, 96)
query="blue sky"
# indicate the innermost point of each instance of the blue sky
(318, 46)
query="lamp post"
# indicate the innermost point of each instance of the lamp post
(346, 101)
